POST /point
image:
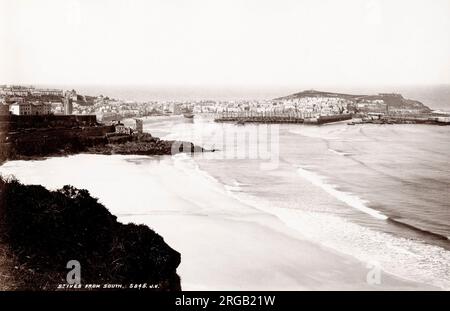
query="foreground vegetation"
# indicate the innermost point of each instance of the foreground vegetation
(41, 230)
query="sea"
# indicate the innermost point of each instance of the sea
(377, 193)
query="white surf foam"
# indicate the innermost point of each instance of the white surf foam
(345, 197)
(405, 258)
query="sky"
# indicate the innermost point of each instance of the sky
(225, 42)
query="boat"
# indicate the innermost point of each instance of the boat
(188, 115)
(240, 122)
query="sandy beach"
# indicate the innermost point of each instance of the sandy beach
(224, 243)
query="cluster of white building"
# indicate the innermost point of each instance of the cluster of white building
(26, 108)
(23, 108)
(317, 105)
(107, 107)
(23, 91)
(304, 105)
(28, 100)
(373, 105)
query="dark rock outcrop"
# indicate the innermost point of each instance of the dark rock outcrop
(143, 144)
(45, 229)
(35, 144)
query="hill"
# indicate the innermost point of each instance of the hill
(393, 100)
(42, 230)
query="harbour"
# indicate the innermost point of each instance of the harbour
(242, 118)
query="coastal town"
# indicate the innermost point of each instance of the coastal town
(309, 106)
(37, 122)
(217, 154)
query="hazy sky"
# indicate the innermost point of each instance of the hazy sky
(225, 42)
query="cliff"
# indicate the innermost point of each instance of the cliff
(41, 230)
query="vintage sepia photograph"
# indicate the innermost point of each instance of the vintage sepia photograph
(224, 145)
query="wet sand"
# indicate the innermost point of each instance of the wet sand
(224, 243)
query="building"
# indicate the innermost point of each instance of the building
(139, 126)
(20, 109)
(120, 128)
(57, 108)
(40, 108)
(28, 109)
(15, 90)
(47, 92)
(14, 99)
(71, 94)
(24, 91)
(68, 105)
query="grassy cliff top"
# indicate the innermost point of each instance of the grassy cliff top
(42, 230)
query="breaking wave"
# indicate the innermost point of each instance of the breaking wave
(345, 197)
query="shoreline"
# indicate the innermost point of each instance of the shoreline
(356, 226)
(269, 226)
(254, 233)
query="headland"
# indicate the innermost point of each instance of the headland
(317, 107)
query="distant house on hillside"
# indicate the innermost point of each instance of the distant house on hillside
(47, 92)
(139, 126)
(40, 108)
(24, 109)
(120, 128)
(20, 109)
(15, 90)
